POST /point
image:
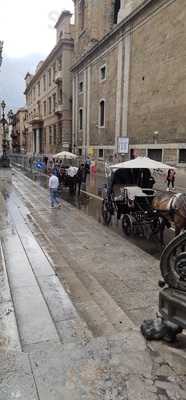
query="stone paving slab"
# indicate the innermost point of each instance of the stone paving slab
(16, 378)
(33, 318)
(118, 367)
(9, 336)
(34, 321)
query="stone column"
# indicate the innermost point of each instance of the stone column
(84, 113)
(127, 6)
(118, 131)
(122, 11)
(37, 141)
(88, 105)
(126, 85)
(34, 141)
(73, 111)
(76, 110)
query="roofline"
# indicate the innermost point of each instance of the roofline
(64, 14)
(21, 109)
(119, 27)
(27, 74)
(61, 43)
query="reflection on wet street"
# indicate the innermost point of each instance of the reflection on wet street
(90, 203)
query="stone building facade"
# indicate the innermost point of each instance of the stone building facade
(19, 133)
(49, 95)
(129, 78)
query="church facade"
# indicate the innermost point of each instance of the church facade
(129, 79)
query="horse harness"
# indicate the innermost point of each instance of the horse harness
(171, 206)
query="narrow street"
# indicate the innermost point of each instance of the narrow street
(73, 296)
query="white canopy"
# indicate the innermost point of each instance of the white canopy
(141, 162)
(65, 155)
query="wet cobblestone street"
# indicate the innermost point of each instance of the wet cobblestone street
(73, 296)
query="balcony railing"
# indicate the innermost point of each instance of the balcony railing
(58, 109)
(36, 119)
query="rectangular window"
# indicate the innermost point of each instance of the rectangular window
(182, 156)
(81, 87)
(59, 64)
(80, 152)
(103, 73)
(50, 135)
(44, 83)
(39, 107)
(155, 154)
(45, 108)
(54, 134)
(38, 89)
(44, 136)
(49, 77)
(100, 153)
(102, 114)
(54, 102)
(54, 72)
(80, 119)
(60, 133)
(50, 105)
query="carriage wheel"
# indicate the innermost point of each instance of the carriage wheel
(127, 225)
(106, 214)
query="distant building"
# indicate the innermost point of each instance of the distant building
(19, 131)
(49, 95)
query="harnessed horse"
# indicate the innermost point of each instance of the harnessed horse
(172, 208)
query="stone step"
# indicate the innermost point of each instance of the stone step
(110, 314)
(88, 310)
(67, 322)
(9, 335)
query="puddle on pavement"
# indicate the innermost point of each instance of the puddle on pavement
(92, 207)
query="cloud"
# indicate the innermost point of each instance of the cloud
(26, 27)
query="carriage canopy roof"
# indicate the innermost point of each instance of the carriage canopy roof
(141, 163)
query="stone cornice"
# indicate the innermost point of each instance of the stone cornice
(120, 29)
(46, 62)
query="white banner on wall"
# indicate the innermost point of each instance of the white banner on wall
(123, 145)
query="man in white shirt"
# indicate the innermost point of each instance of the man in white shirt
(53, 187)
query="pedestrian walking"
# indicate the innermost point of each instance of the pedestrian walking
(53, 187)
(171, 175)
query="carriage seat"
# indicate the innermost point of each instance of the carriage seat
(135, 191)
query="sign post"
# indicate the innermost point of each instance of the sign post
(123, 145)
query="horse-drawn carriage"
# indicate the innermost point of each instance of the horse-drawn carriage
(129, 195)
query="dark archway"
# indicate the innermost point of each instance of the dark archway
(117, 6)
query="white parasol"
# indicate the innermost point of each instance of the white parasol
(141, 163)
(65, 155)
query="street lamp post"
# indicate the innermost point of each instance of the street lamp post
(4, 160)
(1, 52)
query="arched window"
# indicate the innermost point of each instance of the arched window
(102, 113)
(81, 118)
(117, 6)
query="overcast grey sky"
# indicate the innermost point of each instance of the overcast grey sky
(27, 26)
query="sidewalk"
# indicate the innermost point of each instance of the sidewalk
(79, 293)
